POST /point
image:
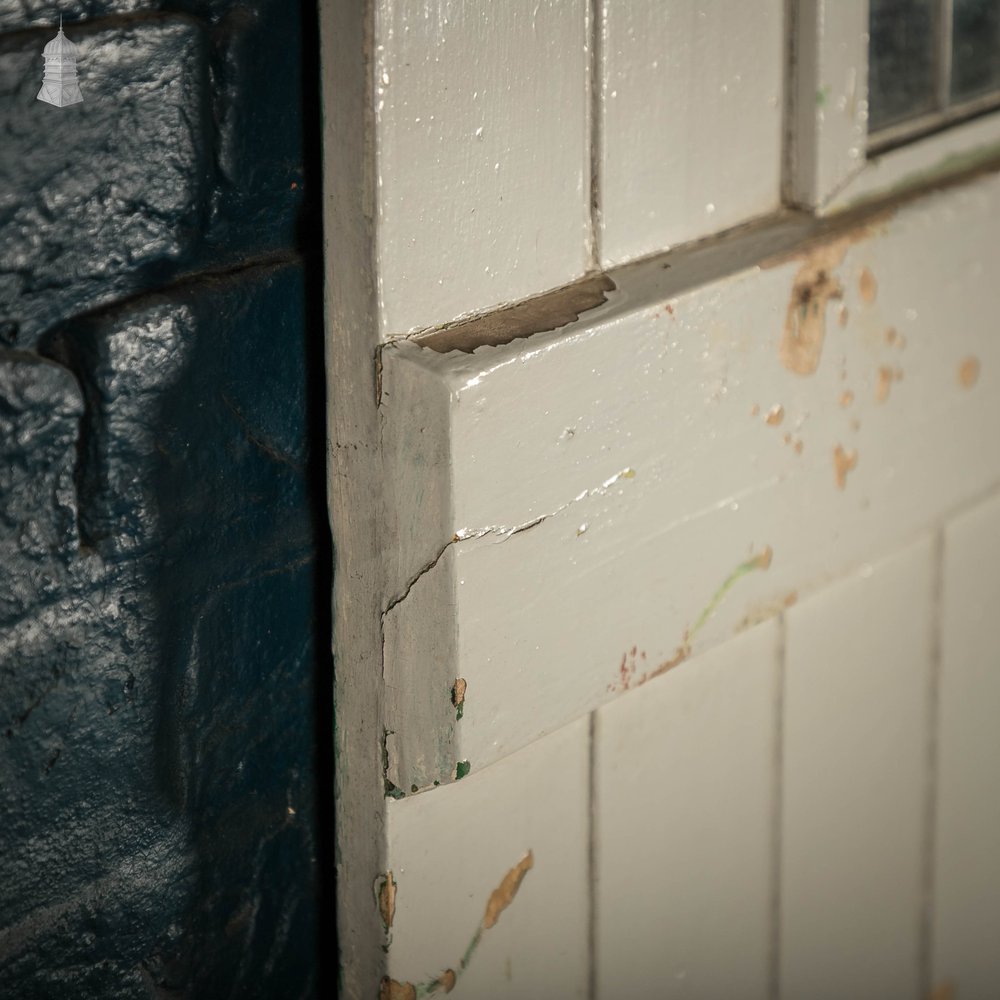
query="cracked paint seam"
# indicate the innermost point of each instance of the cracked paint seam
(503, 532)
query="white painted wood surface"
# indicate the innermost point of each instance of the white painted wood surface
(608, 481)
(854, 782)
(684, 823)
(960, 147)
(561, 519)
(450, 850)
(354, 484)
(483, 169)
(829, 119)
(690, 129)
(966, 898)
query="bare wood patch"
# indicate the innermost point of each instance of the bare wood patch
(503, 895)
(523, 319)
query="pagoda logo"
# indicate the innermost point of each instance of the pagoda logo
(59, 85)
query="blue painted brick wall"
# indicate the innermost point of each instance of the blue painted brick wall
(163, 557)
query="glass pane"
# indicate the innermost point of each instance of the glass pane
(975, 49)
(902, 59)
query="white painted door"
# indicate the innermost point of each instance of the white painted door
(664, 494)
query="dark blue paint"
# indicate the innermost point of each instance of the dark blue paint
(165, 763)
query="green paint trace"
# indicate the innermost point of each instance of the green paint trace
(501, 897)
(627, 669)
(462, 768)
(760, 561)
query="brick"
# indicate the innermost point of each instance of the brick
(105, 192)
(40, 408)
(155, 719)
(20, 14)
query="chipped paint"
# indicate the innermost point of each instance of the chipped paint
(867, 286)
(968, 372)
(775, 415)
(458, 697)
(393, 990)
(386, 895)
(506, 531)
(628, 667)
(884, 384)
(391, 790)
(549, 311)
(501, 897)
(814, 287)
(446, 981)
(843, 463)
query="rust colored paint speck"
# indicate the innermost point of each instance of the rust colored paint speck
(843, 463)
(886, 376)
(814, 287)
(805, 320)
(867, 286)
(968, 372)
(775, 415)
(884, 384)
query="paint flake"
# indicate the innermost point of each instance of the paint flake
(394, 990)
(968, 372)
(884, 384)
(499, 900)
(805, 320)
(843, 463)
(503, 895)
(447, 980)
(814, 287)
(458, 697)
(387, 900)
(868, 286)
